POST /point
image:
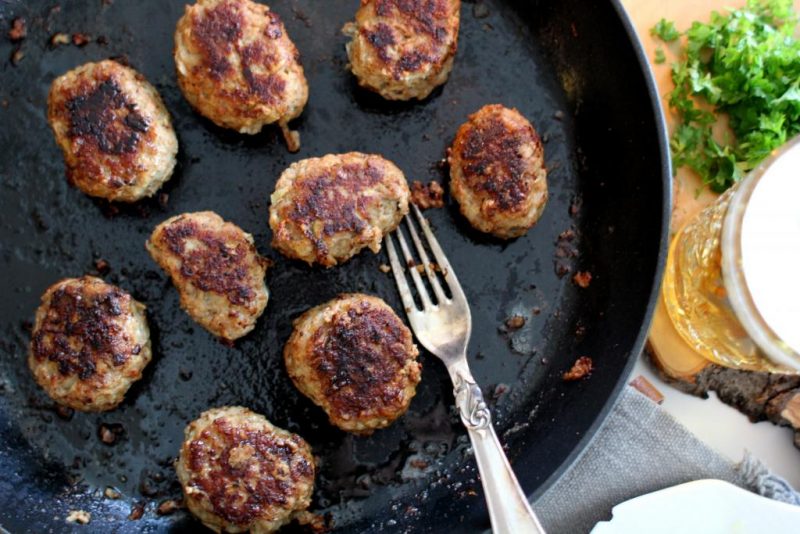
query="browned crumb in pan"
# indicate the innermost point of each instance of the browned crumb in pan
(582, 368)
(582, 279)
(18, 30)
(427, 196)
(515, 322)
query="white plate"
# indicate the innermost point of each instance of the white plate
(704, 506)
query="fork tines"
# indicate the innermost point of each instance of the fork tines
(398, 267)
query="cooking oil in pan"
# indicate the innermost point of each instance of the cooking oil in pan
(729, 286)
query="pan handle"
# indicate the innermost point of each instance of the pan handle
(509, 510)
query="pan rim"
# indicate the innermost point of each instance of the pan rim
(666, 210)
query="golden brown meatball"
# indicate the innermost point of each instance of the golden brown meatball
(355, 358)
(240, 473)
(403, 49)
(90, 343)
(114, 131)
(497, 172)
(237, 66)
(325, 210)
(217, 270)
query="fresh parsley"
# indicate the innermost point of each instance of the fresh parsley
(743, 63)
(665, 30)
(660, 57)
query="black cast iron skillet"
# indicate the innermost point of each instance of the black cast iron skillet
(572, 66)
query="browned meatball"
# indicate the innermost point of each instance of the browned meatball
(217, 270)
(240, 473)
(325, 210)
(403, 49)
(114, 131)
(497, 172)
(237, 66)
(355, 358)
(90, 343)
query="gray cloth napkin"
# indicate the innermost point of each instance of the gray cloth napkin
(640, 449)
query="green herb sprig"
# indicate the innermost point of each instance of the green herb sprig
(744, 63)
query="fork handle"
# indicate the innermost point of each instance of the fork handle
(509, 510)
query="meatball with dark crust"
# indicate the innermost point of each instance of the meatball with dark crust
(114, 131)
(237, 66)
(217, 270)
(355, 358)
(240, 473)
(325, 210)
(90, 342)
(497, 172)
(403, 49)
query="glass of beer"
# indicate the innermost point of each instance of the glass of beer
(732, 282)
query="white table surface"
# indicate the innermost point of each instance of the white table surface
(727, 430)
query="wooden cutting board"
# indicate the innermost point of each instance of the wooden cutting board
(759, 395)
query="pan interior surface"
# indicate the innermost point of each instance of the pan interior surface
(569, 66)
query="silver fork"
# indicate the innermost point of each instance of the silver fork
(444, 329)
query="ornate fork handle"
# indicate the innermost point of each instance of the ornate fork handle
(509, 510)
(469, 398)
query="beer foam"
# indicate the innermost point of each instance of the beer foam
(771, 247)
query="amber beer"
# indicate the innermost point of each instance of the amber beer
(731, 286)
